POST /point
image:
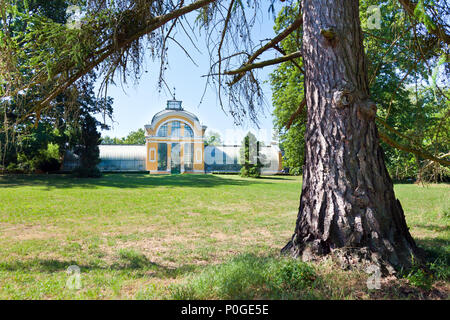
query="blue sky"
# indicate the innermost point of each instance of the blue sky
(135, 104)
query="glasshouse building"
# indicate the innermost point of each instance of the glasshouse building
(175, 144)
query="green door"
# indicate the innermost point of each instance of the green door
(175, 162)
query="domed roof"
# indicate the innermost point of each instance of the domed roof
(174, 108)
(166, 112)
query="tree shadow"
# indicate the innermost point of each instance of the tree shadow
(435, 248)
(123, 180)
(433, 227)
(139, 267)
(275, 177)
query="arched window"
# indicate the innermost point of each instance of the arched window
(162, 132)
(175, 129)
(188, 131)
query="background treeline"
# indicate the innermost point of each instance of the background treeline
(134, 137)
(38, 142)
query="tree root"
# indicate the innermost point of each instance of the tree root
(348, 258)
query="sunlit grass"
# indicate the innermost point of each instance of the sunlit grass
(142, 236)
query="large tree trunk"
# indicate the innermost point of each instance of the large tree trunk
(347, 198)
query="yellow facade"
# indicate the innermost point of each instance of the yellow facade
(171, 132)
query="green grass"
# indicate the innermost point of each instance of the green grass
(136, 236)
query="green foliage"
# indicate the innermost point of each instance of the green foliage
(250, 157)
(251, 171)
(287, 93)
(109, 140)
(212, 138)
(40, 40)
(81, 172)
(444, 58)
(440, 268)
(400, 79)
(421, 14)
(49, 160)
(34, 149)
(87, 148)
(402, 84)
(436, 268)
(49, 165)
(420, 278)
(237, 279)
(134, 137)
(290, 274)
(38, 142)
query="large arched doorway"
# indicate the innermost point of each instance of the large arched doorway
(175, 159)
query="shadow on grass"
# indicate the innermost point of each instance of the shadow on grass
(433, 227)
(245, 276)
(436, 248)
(124, 181)
(138, 266)
(275, 177)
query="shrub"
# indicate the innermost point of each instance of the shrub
(293, 274)
(49, 165)
(440, 269)
(250, 157)
(81, 172)
(418, 277)
(296, 171)
(15, 168)
(252, 171)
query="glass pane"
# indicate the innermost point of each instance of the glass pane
(162, 132)
(188, 156)
(175, 129)
(188, 131)
(175, 158)
(162, 157)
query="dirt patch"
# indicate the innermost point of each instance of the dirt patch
(153, 248)
(21, 232)
(193, 214)
(220, 236)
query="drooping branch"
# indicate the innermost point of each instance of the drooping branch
(391, 47)
(149, 26)
(222, 39)
(297, 112)
(291, 28)
(420, 153)
(436, 30)
(395, 91)
(280, 50)
(163, 54)
(263, 64)
(417, 151)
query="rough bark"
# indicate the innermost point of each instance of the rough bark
(347, 200)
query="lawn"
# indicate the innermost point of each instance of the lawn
(136, 236)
